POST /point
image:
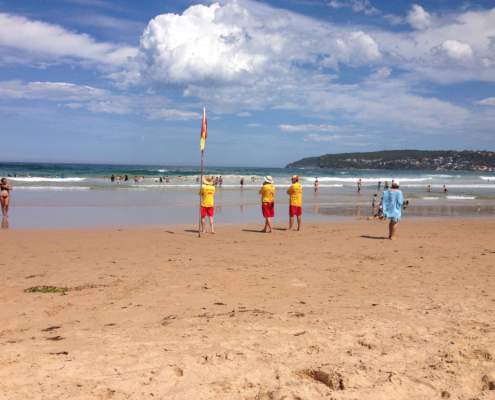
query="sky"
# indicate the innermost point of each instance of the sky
(126, 81)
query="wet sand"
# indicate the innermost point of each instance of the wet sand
(126, 206)
(332, 312)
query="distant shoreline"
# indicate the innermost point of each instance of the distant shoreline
(404, 160)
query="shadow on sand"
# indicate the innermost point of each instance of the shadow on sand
(374, 237)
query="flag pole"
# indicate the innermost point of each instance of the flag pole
(200, 186)
(204, 133)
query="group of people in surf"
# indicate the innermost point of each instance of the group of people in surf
(267, 193)
(390, 206)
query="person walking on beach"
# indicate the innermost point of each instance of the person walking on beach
(359, 185)
(242, 183)
(267, 193)
(317, 185)
(392, 202)
(207, 204)
(428, 188)
(5, 189)
(445, 189)
(295, 193)
(379, 185)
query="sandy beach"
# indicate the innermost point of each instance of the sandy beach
(332, 312)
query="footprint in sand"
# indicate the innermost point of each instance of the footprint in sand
(332, 379)
(168, 319)
(55, 338)
(488, 384)
(50, 328)
(296, 314)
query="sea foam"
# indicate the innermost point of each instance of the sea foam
(46, 179)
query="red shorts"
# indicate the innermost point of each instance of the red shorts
(268, 210)
(295, 211)
(207, 211)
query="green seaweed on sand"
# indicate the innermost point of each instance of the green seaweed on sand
(46, 289)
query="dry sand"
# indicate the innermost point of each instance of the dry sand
(156, 313)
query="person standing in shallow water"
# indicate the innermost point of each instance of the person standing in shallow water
(392, 202)
(317, 185)
(5, 189)
(359, 183)
(295, 193)
(267, 193)
(207, 203)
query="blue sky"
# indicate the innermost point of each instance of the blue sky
(125, 81)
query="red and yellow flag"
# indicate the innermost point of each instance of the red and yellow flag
(204, 131)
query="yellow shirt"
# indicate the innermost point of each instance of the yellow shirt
(207, 196)
(295, 193)
(267, 192)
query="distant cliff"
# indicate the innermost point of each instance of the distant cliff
(404, 159)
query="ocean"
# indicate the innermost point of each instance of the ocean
(77, 195)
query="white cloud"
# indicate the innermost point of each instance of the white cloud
(172, 114)
(76, 97)
(308, 128)
(73, 106)
(242, 39)
(381, 73)
(393, 19)
(113, 105)
(292, 62)
(457, 47)
(418, 17)
(40, 40)
(363, 6)
(322, 138)
(371, 103)
(121, 25)
(53, 91)
(457, 50)
(92, 3)
(366, 45)
(489, 101)
(203, 44)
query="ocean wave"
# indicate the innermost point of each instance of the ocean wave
(457, 186)
(433, 176)
(461, 197)
(488, 178)
(46, 179)
(365, 180)
(430, 198)
(52, 188)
